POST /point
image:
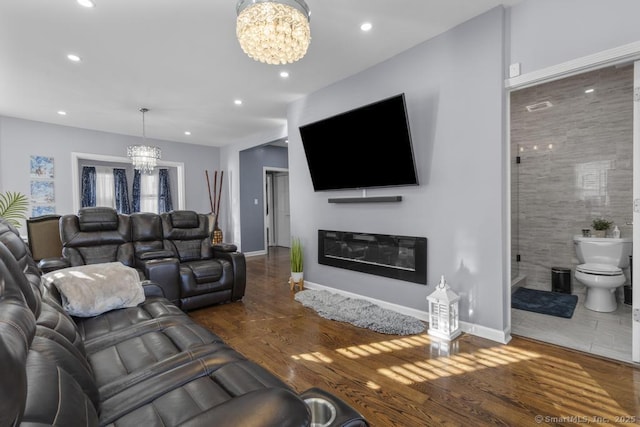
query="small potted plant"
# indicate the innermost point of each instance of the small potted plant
(296, 263)
(600, 227)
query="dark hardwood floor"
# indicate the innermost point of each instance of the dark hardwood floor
(415, 380)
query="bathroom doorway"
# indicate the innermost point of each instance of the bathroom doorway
(572, 161)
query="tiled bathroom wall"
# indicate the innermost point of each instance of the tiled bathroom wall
(575, 164)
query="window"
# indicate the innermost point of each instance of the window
(149, 192)
(78, 160)
(105, 193)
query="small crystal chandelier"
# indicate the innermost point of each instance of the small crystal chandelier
(144, 157)
(273, 31)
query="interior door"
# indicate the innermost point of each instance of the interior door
(635, 353)
(281, 202)
(269, 216)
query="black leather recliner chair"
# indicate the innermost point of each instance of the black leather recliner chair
(209, 274)
(96, 235)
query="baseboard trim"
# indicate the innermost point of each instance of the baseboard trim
(502, 337)
(254, 253)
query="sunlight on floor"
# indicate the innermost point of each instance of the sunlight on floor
(456, 364)
(373, 385)
(561, 380)
(364, 350)
(313, 357)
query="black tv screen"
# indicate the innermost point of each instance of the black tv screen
(366, 147)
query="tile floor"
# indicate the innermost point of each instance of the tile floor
(603, 334)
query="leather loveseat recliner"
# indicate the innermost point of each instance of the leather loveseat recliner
(99, 235)
(173, 250)
(149, 365)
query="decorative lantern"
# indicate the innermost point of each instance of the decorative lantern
(443, 312)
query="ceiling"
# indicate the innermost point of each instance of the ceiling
(180, 59)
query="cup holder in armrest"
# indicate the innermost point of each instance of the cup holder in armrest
(323, 413)
(327, 410)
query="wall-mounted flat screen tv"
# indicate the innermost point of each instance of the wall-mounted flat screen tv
(369, 146)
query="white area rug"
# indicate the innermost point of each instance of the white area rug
(358, 312)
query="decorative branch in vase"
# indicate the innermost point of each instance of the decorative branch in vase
(214, 201)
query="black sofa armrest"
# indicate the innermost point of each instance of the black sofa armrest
(165, 273)
(269, 407)
(152, 289)
(47, 265)
(224, 247)
(239, 265)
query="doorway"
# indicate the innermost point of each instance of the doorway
(277, 219)
(572, 150)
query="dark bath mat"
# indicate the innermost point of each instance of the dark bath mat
(545, 302)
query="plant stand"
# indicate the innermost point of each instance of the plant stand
(296, 282)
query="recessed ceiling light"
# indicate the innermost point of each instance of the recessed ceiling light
(238, 101)
(366, 26)
(73, 57)
(62, 113)
(284, 74)
(86, 3)
(186, 132)
(590, 90)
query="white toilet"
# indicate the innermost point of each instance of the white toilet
(600, 269)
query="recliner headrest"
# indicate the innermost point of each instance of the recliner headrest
(97, 219)
(184, 219)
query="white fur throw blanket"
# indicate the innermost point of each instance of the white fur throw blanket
(89, 290)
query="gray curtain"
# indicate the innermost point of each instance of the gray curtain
(121, 191)
(88, 186)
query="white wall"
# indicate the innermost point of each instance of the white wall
(19, 139)
(453, 88)
(230, 161)
(545, 33)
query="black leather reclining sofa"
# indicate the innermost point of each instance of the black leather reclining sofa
(148, 365)
(172, 249)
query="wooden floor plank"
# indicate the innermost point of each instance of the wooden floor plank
(414, 381)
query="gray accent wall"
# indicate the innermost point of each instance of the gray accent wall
(454, 93)
(252, 163)
(19, 139)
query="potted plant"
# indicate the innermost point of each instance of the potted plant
(13, 207)
(296, 260)
(600, 226)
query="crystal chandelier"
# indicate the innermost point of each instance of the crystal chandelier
(143, 157)
(273, 31)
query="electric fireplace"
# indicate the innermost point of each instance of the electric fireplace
(397, 257)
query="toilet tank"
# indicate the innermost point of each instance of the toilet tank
(603, 250)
